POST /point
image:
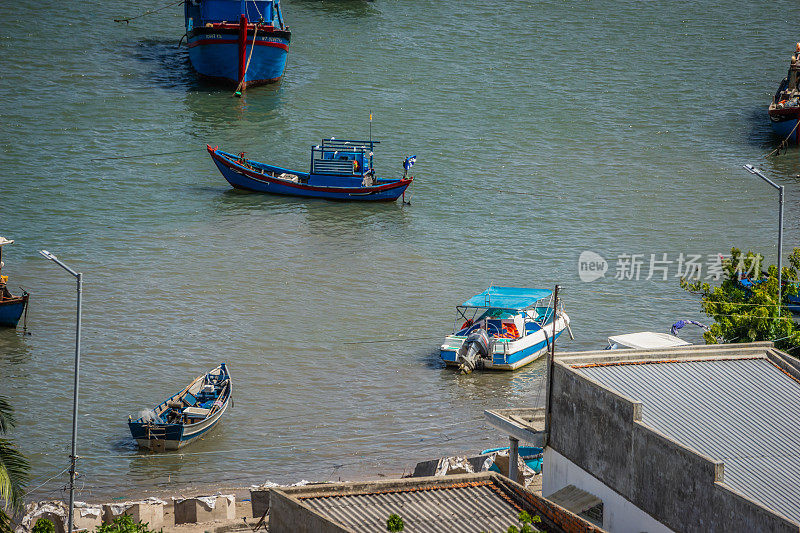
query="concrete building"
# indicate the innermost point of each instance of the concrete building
(464, 502)
(698, 438)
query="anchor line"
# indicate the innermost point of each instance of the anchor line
(247, 65)
(149, 12)
(784, 143)
(142, 155)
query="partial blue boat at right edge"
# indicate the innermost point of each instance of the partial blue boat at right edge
(504, 328)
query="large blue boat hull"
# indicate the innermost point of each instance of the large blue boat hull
(785, 128)
(11, 311)
(216, 56)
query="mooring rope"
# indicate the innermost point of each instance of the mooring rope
(149, 12)
(238, 92)
(784, 143)
(142, 155)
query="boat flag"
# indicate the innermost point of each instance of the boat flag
(409, 162)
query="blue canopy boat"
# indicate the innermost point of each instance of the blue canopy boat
(340, 170)
(11, 306)
(792, 301)
(244, 43)
(504, 328)
(185, 416)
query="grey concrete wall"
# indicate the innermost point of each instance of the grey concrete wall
(602, 433)
(287, 515)
(259, 502)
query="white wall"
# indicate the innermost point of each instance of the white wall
(619, 515)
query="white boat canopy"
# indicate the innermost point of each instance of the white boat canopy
(646, 340)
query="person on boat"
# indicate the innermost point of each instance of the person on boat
(369, 178)
(4, 292)
(794, 69)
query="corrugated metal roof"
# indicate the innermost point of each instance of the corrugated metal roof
(574, 499)
(744, 412)
(473, 508)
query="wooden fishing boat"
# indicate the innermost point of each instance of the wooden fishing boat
(340, 170)
(185, 416)
(784, 111)
(504, 328)
(11, 306)
(237, 42)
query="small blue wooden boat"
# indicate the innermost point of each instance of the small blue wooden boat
(504, 328)
(185, 416)
(11, 306)
(237, 42)
(340, 170)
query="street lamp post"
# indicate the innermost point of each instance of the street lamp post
(751, 169)
(79, 278)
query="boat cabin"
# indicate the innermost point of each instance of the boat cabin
(505, 317)
(228, 12)
(342, 158)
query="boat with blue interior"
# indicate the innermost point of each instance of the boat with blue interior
(503, 328)
(243, 43)
(11, 306)
(340, 170)
(185, 416)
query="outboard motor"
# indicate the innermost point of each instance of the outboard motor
(475, 346)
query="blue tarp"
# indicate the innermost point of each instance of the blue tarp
(516, 298)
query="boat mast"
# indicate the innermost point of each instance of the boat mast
(278, 11)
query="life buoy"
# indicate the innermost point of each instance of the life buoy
(467, 323)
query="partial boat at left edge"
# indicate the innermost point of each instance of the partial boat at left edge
(784, 111)
(11, 306)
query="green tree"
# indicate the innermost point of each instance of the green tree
(526, 523)
(747, 312)
(14, 469)
(43, 525)
(123, 524)
(395, 523)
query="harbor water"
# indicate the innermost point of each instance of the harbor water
(542, 130)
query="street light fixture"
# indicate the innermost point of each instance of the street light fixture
(79, 278)
(752, 170)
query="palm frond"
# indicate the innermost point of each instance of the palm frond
(7, 420)
(14, 469)
(5, 523)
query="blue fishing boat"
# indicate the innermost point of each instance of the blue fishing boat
(340, 170)
(244, 43)
(185, 416)
(503, 328)
(11, 306)
(784, 111)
